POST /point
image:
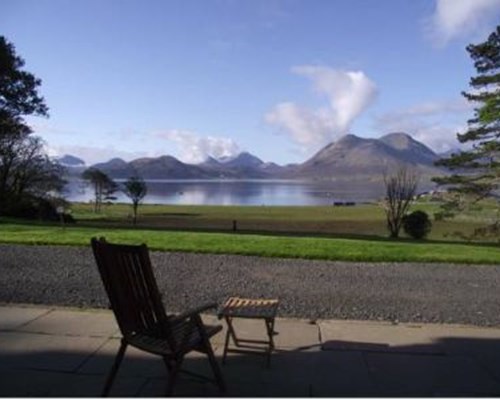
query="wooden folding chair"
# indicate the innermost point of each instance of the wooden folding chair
(129, 281)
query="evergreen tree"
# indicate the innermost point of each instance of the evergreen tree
(476, 172)
(104, 186)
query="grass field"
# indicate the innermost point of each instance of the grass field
(331, 233)
(360, 221)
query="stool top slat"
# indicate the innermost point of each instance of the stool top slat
(249, 308)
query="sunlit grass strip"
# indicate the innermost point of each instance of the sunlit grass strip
(260, 245)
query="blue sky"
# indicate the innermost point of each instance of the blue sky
(279, 79)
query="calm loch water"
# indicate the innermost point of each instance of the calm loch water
(239, 192)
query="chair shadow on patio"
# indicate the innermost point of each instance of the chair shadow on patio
(34, 364)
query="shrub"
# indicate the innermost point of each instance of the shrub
(417, 224)
(47, 211)
(21, 208)
(32, 207)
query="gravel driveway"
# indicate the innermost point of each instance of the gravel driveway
(307, 289)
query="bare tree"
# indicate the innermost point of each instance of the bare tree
(400, 188)
(136, 189)
(27, 175)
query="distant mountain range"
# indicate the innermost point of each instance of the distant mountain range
(349, 159)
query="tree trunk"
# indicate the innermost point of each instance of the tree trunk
(135, 213)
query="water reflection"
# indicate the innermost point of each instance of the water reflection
(239, 192)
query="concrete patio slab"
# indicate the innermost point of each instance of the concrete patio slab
(185, 387)
(16, 316)
(302, 373)
(465, 376)
(341, 373)
(91, 386)
(34, 383)
(74, 322)
(296, 334)
(428, 375)
(210, 319)
(377, 336)
(136, 363)
(67, 352)
(28, 383)
(269, 389)
(46, 352)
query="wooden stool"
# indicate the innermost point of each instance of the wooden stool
(235, 307)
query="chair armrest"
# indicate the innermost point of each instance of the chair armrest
(194, 311)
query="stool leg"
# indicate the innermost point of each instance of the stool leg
(230, 334)
(270, 334)
(226, 344)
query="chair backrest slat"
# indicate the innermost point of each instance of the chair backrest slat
(129, 281)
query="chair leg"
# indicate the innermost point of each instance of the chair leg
(114, 368)
(215, 368)
(173, 371)
(167, 364)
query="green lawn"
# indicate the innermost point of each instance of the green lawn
(330, 233)
(262, 245)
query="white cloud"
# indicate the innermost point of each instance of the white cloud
(348, 93)
(455, 18)
(305, 127)
(435, 124)
(440, 138)
(195, 149)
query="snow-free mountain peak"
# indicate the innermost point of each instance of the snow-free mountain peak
(210, 161)
(398, 140)
(412, 150)
(243, 159)
(348, 140)
(70, 161)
